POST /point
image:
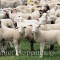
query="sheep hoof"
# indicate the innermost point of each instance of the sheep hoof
(17, 54)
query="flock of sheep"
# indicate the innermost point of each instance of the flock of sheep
(35, 22)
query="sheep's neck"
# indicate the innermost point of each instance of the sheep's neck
(37, 35)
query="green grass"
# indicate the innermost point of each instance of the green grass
(25, 46)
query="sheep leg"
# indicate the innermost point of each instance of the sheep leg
(16, 47)
(51, 47)
(11, 44)
(19, 48)
(31, 44)
(42, 49)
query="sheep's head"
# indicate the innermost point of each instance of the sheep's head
(18, 18)
(35, 28)
(21, 27)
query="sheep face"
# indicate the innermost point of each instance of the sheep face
(18, 18)
(21, 27)
(35, 28)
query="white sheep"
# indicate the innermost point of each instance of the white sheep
(13, 35)
(45, 37)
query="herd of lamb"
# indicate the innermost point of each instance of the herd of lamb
(35, 22)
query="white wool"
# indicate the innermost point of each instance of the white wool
(7, 23)
(43, 19)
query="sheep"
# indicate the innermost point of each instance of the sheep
(45, 37)
(50, 27)
(7, 23)
(13, 35)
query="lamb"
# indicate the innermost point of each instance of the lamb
(45, 37)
